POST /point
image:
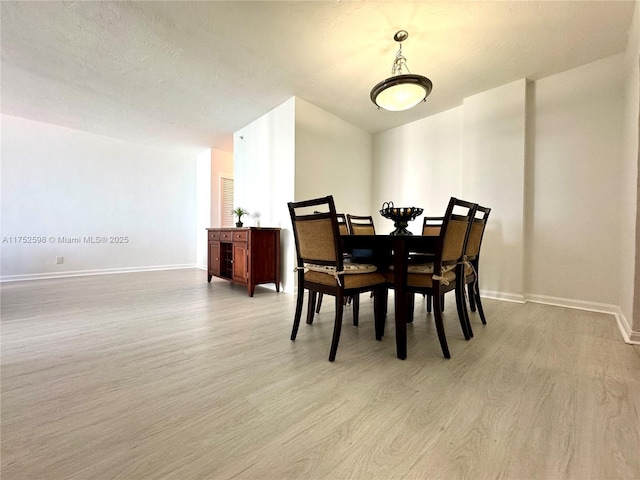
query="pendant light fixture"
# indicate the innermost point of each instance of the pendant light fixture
(402, 90)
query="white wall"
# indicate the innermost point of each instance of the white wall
(418, 164)
(475, 152)
(58, 182)
(332, 158)
(548, 158)
(575, 236)
(298, 151)
(493, 176)
(264, 173)
(203, 207)
(630, 295)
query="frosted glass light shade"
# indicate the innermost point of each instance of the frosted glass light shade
(401, 92)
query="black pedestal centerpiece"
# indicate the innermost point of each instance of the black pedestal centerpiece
(400, 216)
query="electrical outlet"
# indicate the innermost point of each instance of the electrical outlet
(59, 260)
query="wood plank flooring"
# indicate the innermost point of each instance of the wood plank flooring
(161, 375)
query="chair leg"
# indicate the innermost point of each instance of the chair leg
(356, 309)
(428, 303)
(337, 327)
(472, 300)
(311, 306)
(410, 303)
(379, 310)
(461, 305)
(319, 303)
(298, 314)
(479, 304)
(385, 299)
(437, 311)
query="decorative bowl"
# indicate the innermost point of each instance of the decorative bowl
(400, 216)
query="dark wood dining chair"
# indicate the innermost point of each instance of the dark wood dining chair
(431, 225)
(440, 276)
(472, 262)
(356, 225)
(343, 227)
(361, 224)
(321, 268)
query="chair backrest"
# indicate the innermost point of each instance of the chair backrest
(454, 231)
(361, 224)
(343, 226)
(431, 226)
(476, 232)
(316, 232)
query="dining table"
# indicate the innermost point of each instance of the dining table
(394, 250)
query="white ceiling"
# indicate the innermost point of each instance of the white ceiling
(188, 74)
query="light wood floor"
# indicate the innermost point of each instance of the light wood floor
(160, 375)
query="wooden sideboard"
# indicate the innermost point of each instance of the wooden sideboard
(248, 256)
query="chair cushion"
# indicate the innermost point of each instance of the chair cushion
(426, 279)
(348, 281)
(349, 268)
(354, 275)
(426, 268)
(423, 280)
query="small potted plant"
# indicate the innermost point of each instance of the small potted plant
(239, 212)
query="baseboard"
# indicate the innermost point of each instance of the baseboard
(576, 304)
(506, 297)
(80, 273)
(630, 337)
(624, 326)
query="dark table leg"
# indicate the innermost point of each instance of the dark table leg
(399, 286)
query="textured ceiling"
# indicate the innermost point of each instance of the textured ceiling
(188, 74)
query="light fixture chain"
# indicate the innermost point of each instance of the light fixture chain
(399, 63)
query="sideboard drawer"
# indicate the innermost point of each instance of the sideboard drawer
(225, 235)
(240, 236)
(214, 235)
